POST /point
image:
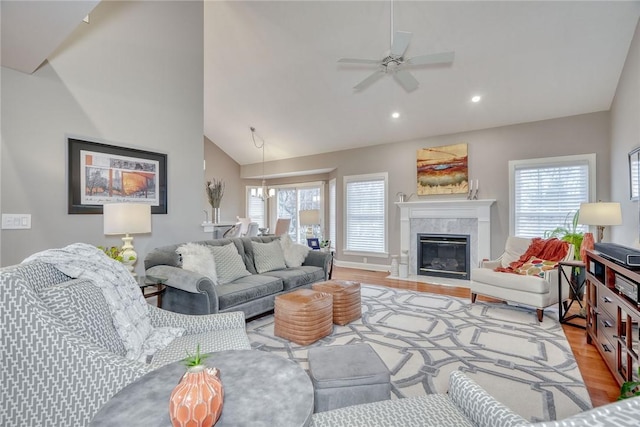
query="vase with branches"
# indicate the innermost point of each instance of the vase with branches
(215, 191)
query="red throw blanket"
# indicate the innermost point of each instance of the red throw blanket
(548, 250)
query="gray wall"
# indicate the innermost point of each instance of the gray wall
(489, 153)
(220, 166)
(625, 135)
(133, 77)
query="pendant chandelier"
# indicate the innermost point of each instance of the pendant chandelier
(262, 192)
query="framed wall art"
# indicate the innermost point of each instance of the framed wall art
(634, 172)
(101, 173)
(443, 170)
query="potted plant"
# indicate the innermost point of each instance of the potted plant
(569, 232)
(200, 389)
(630, 389)
(215, 191)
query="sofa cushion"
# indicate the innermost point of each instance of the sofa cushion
(294, 253)
(268, 256)
(246, 289)
(300, 276)
(81, 305)
(198, 258)
(533, 284)
(229, 263)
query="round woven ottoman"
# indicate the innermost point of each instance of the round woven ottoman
(303, 316)
(347, 305)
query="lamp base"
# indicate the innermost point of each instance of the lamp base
(129, 255)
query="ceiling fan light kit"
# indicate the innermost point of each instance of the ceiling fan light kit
(395, 63)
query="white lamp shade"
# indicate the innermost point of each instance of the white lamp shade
(310, 217)
(127, 218)
(600, 213)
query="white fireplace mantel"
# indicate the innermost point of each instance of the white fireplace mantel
(479, 210)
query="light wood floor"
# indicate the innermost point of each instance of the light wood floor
(601, 385)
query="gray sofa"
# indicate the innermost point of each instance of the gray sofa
(189, 292)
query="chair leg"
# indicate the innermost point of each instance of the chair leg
(473, 297)
(540, 313)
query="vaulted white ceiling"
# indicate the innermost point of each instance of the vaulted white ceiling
(273, 65)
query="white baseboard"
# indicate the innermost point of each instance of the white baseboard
(361, 265)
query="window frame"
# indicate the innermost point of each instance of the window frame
(384, 176)
(590, 160)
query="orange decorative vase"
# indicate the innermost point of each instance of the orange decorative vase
(197, 399)
(587, 244)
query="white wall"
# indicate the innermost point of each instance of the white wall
(133, 77)
(625, 135)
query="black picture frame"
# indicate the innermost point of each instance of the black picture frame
(634, 174)
(314, 243)
(95, 166)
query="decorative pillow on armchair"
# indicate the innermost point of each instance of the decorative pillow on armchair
(536, 267)
(198, 258)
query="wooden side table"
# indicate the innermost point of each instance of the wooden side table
(152, 287)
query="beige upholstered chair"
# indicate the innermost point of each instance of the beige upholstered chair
(282, 226)
(534, 291)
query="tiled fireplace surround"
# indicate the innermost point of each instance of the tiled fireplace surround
(472, 217)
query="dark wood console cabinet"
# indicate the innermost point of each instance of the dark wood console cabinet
(612, 317)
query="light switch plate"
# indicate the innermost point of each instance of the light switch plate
(16, 221)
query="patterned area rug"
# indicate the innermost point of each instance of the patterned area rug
(422, 337)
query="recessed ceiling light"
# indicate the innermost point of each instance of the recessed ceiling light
(395, 114)
(476, 98)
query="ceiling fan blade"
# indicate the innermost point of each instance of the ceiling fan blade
(406, 80)
(400, 44)
(359, 61)
(433, 58)
(369, 80)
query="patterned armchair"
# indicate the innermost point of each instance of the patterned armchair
(466, 405)
(59, 370)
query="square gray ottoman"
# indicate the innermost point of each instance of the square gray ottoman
(345, 375)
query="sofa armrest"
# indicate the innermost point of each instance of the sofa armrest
(197, 324)
(319, 259)
(478, 405)
(492, 264)
(190, 282)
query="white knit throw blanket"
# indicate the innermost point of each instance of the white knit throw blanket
(125, 300)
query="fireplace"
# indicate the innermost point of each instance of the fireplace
(443, 255)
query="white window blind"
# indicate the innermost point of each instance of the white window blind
(332, 212)
(255, 208)
(365, 209)
(546, 196)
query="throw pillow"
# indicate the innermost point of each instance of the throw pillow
(536, 267)
(268, 256)
(294, 253)
(229, 263)
(198, 258)
(81, 305)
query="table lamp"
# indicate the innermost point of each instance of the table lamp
(127, 218)
(600, 214)
(310, 218)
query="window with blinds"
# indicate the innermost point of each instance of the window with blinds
(548, 192)
(255, 208)
(365, 213)
(332, 212)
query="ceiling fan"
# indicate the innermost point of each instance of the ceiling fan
(395, 62)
